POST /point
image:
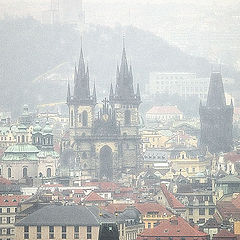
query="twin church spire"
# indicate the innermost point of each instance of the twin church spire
(81, 92)
(124, 90)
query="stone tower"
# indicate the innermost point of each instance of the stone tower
(216, 118)
(106, 143)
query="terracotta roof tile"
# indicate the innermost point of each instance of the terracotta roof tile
(224, 234)
(12, 200)
(176, 226)
(173, 202)
(94, 197)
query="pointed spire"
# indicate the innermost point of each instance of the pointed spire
(216, 96)
(81, 65)
(111, 94)
(75, 81)
(68, 94)
(138, 92)
(94, 95)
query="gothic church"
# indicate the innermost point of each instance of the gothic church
(106, 142)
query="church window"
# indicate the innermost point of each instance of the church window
(127, 117)
(9, 172)
(23, 138)
(49, 172)
(71, 117)
(84, 118)
(18, 138)
(25, 172)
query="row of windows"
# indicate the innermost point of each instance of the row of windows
(8, 210)
(25, 172)
(82, 118)
(7, 231)
(202, 211)
(51, 232)
(6, 220)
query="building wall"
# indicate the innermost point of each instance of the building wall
(57, 232)
(17, 169)
(183, 84)
(7, 220)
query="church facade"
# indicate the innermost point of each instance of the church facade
(216, 118)
(106, 142)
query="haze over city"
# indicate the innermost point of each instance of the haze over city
(119, 120)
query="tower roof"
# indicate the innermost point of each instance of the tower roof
(81, 94)
(216, 97)
(124, 90)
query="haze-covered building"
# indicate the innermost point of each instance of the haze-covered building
(107, 143)
(216, 118)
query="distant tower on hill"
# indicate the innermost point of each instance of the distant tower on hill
(216, 118)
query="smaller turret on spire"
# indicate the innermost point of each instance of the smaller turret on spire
(138, 95)
(94, 95)
(111, 94)
(68, 94)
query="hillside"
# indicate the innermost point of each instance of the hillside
(29, 49)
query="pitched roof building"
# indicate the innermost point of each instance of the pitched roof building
(175, 228)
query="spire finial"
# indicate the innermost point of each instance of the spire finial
(94, 95)
(123, 41)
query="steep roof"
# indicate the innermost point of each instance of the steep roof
(144, 208)
(11, 201)
(224, 234)
(176, 226)
(173, 202)
(229, 179)
(94, 197)
(54, 215)
(216, 96)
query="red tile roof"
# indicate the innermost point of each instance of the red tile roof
(232, 157)
(228, 209)
(112, 208)
(13, 200)
(174, 227)
(160, 110)
(94, 197)
(145, 208)
(78, 191)
(5, 181)
(172, 201)
(109, 186)
(224, 234)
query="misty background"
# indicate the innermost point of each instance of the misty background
(40, 44)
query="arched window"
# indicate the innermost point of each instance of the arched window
(71, 118)
(127, 117)
(23, 138)
(84, 118)
(49, 172)
(25, 172)
(19, 139)
(9, 172)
